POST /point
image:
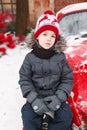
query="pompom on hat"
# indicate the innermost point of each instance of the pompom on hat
(47, 21)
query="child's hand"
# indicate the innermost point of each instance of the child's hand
(53, 103)
(39, 107)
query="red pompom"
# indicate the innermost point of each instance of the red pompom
(49, 12)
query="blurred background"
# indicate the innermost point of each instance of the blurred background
(26, 12)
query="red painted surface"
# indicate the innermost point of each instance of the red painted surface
(77, 59)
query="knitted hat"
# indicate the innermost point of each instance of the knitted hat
(47, 21)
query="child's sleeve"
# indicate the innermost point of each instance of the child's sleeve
(66, 83)
(25, 75)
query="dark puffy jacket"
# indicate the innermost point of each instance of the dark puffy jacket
(45, 76)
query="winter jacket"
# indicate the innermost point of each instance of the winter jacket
(46, 76)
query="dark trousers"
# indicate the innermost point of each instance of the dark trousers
(62, 119)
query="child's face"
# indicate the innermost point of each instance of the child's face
(46, 39)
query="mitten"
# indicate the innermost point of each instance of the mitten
(61, 95)
(39, 107)
(31, 96)
(53, 103)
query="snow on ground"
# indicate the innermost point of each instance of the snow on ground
(11, 99)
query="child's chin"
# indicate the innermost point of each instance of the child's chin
(47, 47)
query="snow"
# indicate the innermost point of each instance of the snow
(73, 8)
(11, 99)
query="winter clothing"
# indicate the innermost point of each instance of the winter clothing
(62, 118)
(47, 21)
(54, 102)
(43, 53)
(43, 82)
(39, 107)
(44, 75)
(46, 81)
(32, 96)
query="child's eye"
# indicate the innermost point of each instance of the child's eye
(44, 34)
(53, 36)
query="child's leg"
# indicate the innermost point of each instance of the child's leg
(31, 121)
(62, 119)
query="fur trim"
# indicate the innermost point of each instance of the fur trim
(30, 40)
(60, 45)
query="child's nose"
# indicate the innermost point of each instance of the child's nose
(49, 38)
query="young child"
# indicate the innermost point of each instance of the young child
(46, 78)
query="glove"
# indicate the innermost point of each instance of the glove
(39, 107)
(53, 103)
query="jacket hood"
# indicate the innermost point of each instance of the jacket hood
(60, 45)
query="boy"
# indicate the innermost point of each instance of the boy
(46, 78)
